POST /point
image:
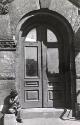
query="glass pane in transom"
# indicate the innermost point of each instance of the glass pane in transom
(31, 36)
(51, 37)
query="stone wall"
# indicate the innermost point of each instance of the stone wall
(5, 30)
(7, 73)
(9, 22)
(18, 8)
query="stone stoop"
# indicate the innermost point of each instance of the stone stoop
(41, 113)
(10, 119)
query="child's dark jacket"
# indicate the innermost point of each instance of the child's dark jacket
(10, 103)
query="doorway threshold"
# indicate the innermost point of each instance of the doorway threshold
(42, 112)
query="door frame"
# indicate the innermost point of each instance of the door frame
(51, 18)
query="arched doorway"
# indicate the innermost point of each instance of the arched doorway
(45, 39)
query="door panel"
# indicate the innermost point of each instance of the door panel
(59, 91)
(53, 82)
(32, 75)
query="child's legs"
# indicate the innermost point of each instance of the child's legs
(12, 111)
(18, 115)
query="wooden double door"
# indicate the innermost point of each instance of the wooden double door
(44, 82)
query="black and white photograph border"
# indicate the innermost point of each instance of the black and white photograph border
(39, 62)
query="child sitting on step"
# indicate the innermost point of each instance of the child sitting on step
(12, 106)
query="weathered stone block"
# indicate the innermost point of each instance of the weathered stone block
(77, 62)
(5, 30)
(67, 9)
(7, 65)
(9, 119)
(45, 3)
(18, 8)
(78, 90)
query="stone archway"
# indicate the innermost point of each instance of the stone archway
(65, 33)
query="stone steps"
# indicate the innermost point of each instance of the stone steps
(45, 113)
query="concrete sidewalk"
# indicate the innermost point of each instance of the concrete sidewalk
(48, 116)
(49, 121)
